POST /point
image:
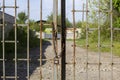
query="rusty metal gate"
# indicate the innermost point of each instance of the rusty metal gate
(66, 61)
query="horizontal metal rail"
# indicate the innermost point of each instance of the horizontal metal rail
(9, 77)
(9, 7)
(22, 25)
(103, 11)
(3, 60)
(10, 41)
(116, 28)
(1, 25)
(80, 11)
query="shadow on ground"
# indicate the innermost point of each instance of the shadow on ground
(22, 65)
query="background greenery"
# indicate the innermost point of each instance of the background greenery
(104, 23)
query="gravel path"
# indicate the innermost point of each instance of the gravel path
(93, 69)
(80, 69)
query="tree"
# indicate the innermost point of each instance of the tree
(116, 4)
(79, 24)
(22, 31)
(50, 19)
(34, 26)
(104, 19)
(22, 18)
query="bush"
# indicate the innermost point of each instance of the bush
(22, 41)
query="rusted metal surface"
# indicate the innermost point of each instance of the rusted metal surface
(111, 33)
(41, 7)
(87, 45)
(55, 42)
(74, 43)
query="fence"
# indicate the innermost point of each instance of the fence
(60, 59)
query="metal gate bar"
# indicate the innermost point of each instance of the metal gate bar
(54, 24)
(111, 40)
(74, 44)
(15, 39)
(3, 39)
(63, 41)
(99, 40)
(41, 7)
(87, 44)
(55, 42)
(28, 40)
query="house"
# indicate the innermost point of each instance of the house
(9, 22)
(47, 33)
(70, 33)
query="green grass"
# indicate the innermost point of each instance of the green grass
(105, 46)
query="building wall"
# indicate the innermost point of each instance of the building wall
(0, 33)
(70, 33)
(8, 28)
(9, 21)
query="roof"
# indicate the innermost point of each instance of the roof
(8, 18)
(42, 21)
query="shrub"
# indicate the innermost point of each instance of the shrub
(22, 41)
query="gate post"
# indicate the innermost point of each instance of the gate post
(63, 41)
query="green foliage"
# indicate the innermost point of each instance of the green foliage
(92, 46)
(82, 25)
(116, 24)
(34, 26)
(22, 42)
(116, 4)
(79, 24)
(104, 23)
(21, 37)
(104, 19)
(22, 18)
(50, 19)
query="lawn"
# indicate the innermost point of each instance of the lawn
(105, 46)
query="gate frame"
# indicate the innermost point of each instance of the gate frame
(63, 41)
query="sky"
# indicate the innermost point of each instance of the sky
(47, 8)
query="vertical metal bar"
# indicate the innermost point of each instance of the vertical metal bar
(87, 45)
(74, 44)
(83, 14)
(55, 21)
(55, 14)
(99, 40)
(40, 39)
(111, 40)
(3, 39)
(28, 56)
(15, 40)
(54, 72)
(63, 41)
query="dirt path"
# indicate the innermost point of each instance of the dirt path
(93, 68)
(80, 69)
